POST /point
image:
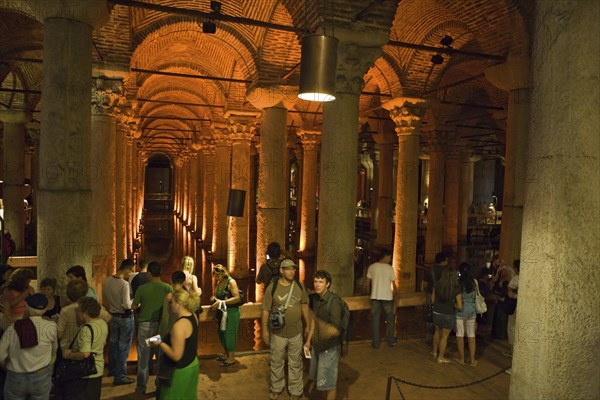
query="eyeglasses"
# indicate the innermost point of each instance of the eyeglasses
(288, 268)
(218, 271)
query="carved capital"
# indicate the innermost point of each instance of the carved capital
(310, 139)
(353, 63)
(241, 126)
(407, 113)
(263, 97)
(107, 95)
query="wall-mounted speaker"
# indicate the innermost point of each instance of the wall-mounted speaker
(235, 203)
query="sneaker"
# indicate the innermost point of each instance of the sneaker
(393, 344)
(507, 353)
(124, 381)
(508, 371)
(274, 395)
(375, 346)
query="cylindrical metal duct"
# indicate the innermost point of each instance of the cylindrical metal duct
(318, 68)
(235, 203)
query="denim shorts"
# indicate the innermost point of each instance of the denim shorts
(324, 368)
(447, 321)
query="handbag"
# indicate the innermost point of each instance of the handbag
(277, 317)
(428, 312)
(69, 370)
(509, 305)
(480, 305)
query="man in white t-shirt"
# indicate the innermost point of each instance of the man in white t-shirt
(380, 283)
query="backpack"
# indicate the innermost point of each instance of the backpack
(274, 272)
(345, 320)
(229, 295)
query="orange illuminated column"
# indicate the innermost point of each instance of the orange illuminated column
(451, 196)
(272, 169)
(407, 113)
(198, 199)
(385, 191)
(13, 173)
(241, 126)
(106, 95)
(140, 165)
(177, 231)
(308, 217)
(129, 185)
(208, 189)
(435, 213)
(516, 83)
(465, 200)
(221, 189)
(120, 188)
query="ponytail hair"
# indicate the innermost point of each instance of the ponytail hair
(190, 301)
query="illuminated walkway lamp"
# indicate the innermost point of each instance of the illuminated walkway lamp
(318, 68)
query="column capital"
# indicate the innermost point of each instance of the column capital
(15, 116)
(241, 124)
(263, 97)
(407, 113)
(107, 95)
(353, 62)
(511, 75)
(94, 13)
(310, 139)
(383, 138)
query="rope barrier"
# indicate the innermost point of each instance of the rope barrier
(397, 382)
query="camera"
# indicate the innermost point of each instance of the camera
(153, 339)
(276, 319)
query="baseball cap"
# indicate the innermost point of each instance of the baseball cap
(287, 263)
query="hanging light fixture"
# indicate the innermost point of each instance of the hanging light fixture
(318, 68)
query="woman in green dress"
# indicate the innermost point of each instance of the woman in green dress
(227, 296)
(178, 365)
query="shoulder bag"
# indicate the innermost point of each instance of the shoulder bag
(480, 306)
(69, 370)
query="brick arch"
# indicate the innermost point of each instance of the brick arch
(183, 94)
(310, 120)
(222, 49)
(279, 51)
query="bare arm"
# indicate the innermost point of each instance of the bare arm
(458, 302)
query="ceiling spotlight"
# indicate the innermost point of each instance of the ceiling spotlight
(437, 59)
(446, 41)
(209, 27)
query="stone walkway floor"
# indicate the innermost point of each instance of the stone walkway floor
(363, 374)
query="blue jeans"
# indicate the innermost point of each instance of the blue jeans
(324, 368)
(145, 353)
(121, 333)
(388, 309)
(28, 385)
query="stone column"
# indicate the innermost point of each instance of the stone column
(338, 169)
(435, 211)
(407, 113)
(34, 135)
(308, 214)
(106, 95)
(13, 170)
(222, 178)
(121, 188)
(208, 190)
(451, 197)
(513, 76)
(64, 206)
(558, 313)
(385, 141)
(129, 187)
(272, 171)
(424, 178)
(465, 195)
(241, 127)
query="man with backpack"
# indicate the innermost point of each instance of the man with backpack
(330, 320)
(269, 271)
(284, 306)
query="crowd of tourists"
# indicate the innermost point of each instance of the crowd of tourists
(56, 344)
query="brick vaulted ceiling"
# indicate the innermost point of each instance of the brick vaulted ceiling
(248, 54)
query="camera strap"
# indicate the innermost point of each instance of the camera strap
(287, 302)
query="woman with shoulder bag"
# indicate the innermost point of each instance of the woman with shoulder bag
(178, 363)
(466, 317)
(227, 297)
(90, 339)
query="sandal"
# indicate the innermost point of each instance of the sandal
(443, 361)
(221, 358)
(459, 361)
(474, 363)
(227, 364)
